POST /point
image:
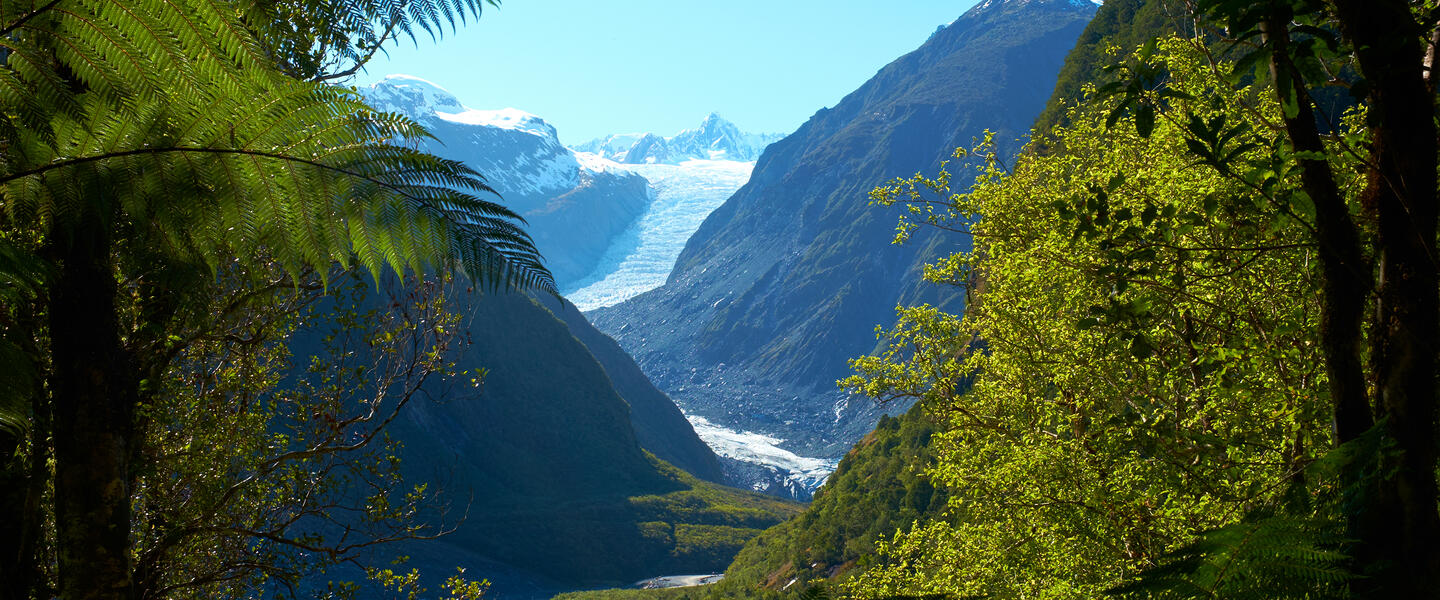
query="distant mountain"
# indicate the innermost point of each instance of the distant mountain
(575, 206)
(788, 278)
(714, 139)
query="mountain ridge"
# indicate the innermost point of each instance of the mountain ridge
(715, 139)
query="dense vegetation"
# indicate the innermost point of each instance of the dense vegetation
(1118, 24)
(877, 489)
(1196, 341)
(1147, 374)
(1195, 364)
(1198, 357)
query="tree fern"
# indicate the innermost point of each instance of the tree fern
(327, 40)
(176, 104)
(162, 131)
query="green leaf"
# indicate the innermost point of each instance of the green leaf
(1145, 120)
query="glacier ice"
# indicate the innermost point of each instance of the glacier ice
(642, 257)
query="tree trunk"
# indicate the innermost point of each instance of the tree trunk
(95, 394)
(1348, 277)
(1402, 195)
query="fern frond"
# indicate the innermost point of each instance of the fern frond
(1273, 557)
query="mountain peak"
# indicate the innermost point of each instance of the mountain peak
(408, 94)
(996, 4)
(421, 99)
(715, 139)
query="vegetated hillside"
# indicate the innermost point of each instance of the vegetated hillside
(557, 482)
(878, 488)
(1127, 25)
(574, 210)
(1124, 24)
(785, 281)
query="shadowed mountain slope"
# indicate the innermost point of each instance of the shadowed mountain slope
(555, 460)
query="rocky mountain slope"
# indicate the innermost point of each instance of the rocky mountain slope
(786, 280)
(575, 209)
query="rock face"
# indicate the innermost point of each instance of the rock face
(788, 278)
(575, 208)
(714, 139)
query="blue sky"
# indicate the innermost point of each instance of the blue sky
(594, 68)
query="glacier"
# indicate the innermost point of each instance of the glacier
(641, 257)
(797, 471)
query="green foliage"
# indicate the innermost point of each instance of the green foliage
(1123, 24)
(155, 154)
(407, 585)
(1143, 345)
(332, 40)
(261, 472)
(124, 108)
(1262, 558)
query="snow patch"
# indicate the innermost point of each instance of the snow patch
(505, 118)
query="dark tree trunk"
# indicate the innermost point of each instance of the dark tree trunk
(95, 394)
(1348, 277)
(1388, 43)
(24, 478)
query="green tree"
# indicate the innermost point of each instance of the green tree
(261, 468)
(1143, 341)
(146, 144)
(1334, 223)
(1381, 314)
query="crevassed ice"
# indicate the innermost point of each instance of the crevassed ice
(762, 449)
(641, 258)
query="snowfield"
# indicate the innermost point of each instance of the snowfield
(641, 259)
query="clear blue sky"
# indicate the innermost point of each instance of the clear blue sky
(594, 68)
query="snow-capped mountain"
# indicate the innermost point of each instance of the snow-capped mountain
(714, 139)
(575, 208)
(611, 217)
(782, 283)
